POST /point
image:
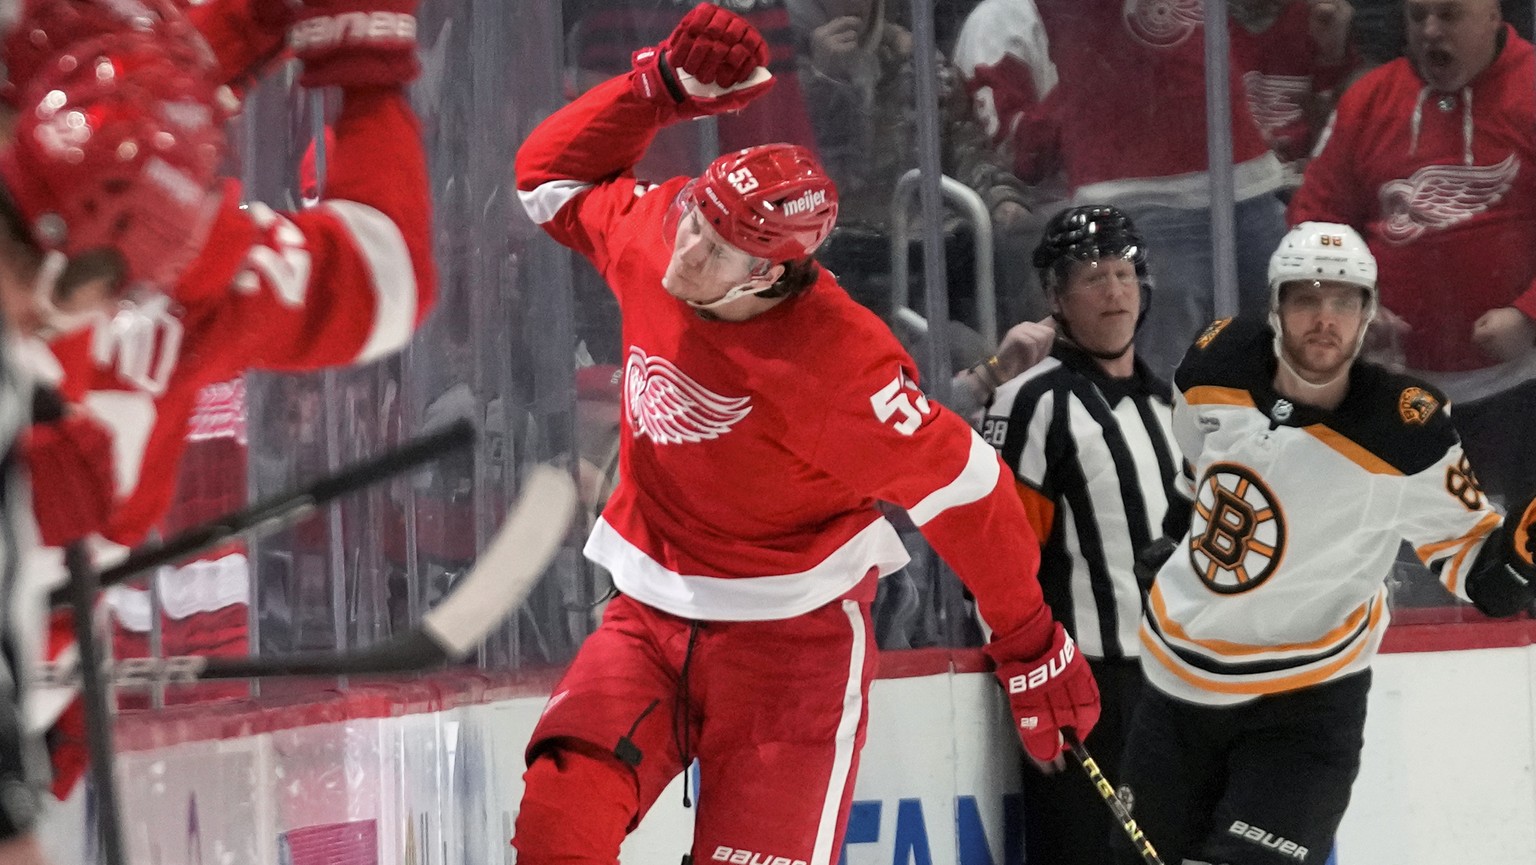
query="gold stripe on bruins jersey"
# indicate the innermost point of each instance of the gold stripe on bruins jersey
(1296, 516)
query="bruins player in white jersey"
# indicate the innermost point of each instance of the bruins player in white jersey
(1306, 469)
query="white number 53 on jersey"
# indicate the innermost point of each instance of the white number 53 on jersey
(901, 404)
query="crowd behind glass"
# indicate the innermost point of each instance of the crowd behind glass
(1040, 104)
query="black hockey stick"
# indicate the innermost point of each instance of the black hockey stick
(98, 710)
(501, 579)
(1107, 791)
(275, 512)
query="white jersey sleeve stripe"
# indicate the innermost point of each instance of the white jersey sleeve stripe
(545, 200)
(392, 275)
(976, 481)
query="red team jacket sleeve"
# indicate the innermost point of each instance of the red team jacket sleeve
(1330, 190)
(883, 437)
(575, 171)
(345, 281)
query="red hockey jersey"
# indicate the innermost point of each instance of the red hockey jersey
(344, 282)
(1281, 77)
(1443, 188)
(754, 452)
(1118, 103)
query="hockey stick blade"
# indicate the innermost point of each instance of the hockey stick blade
(1107, 791)
(284, 509)
(501, 579)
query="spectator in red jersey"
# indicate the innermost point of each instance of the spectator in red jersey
(1111, 95)
(1430, 158)
(766, 414)
(1291, 54)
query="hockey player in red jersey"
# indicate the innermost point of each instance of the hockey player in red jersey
(345, 281)
(1306, 470)
(766, 413)
(104, 189)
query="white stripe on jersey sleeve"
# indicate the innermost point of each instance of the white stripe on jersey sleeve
(545, 200)
(1032, 467)
(391, 272)
(976, 481)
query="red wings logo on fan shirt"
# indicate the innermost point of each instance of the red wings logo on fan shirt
(1162, 23)
(1275, 100)
(1439, 196)
(672, 408)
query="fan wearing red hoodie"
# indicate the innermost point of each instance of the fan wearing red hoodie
(1432, 158)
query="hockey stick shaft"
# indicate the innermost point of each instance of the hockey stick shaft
(96, 696)
(284, 509)
(1117, 807)
(501, 579)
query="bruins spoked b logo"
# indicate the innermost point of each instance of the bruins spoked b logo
(1238, 532)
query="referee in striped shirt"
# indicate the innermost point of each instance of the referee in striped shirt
(1087, 432)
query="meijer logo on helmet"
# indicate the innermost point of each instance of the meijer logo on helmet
(808, 201)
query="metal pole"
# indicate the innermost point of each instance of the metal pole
(95, 692)
(926, 74)
(1218, 142)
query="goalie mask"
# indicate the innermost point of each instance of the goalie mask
(117, 162)
(1315, 252)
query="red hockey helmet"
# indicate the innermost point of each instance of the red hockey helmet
(772, 202)
(38, 41)
(121, 152)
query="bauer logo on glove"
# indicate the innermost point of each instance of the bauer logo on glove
(329, 31)
(1047, 671)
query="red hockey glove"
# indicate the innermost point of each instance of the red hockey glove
(246, 36)
(356, 43)
(714, 61)
(73, 484)
(1047, 693)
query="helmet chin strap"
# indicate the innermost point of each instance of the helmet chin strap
(57, 322)
(1274, 323)
(746, 289)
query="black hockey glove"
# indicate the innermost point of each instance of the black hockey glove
(1506, 584)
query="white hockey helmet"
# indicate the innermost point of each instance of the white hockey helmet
(1322, 252)
(1318, 251)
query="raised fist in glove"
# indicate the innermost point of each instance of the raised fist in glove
(245, 35)
(714, 61)
(1047, 691)
(73, 483)
(355, 43)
